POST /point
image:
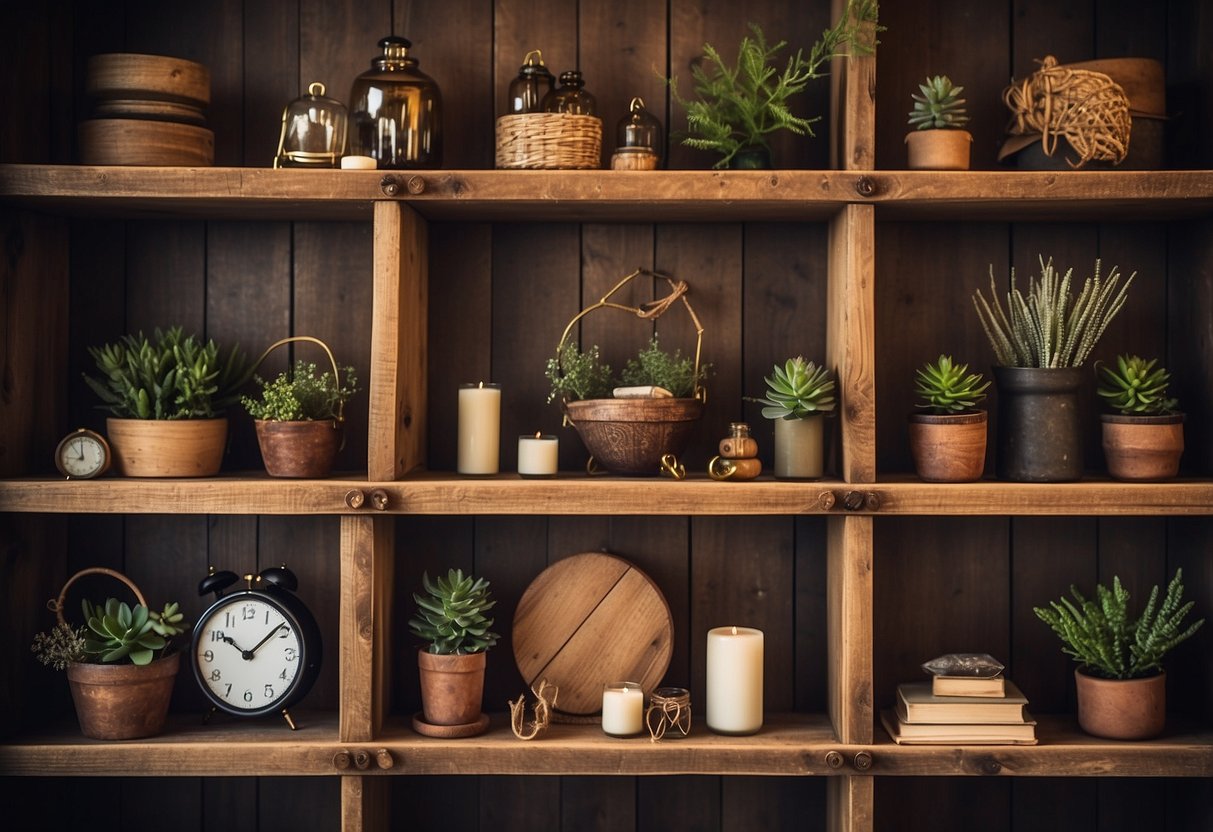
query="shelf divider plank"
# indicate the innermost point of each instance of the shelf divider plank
(365, 624)
(849, 626)
(365, 803)
(850, 338)
(849, 804)
(853, 101)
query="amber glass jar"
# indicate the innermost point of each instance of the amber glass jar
(528, 91)
(571, 96)
(396, 111)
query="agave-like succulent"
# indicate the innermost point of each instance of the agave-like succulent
(947, 387)
(939, 106)
(450, 616)
(797, 389)
(117, 631)
(1136, 387)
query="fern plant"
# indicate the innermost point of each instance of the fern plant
(450, 616)
(1135, 387)
(797, 390)
(1099, 634)
(739, 106)
(946, 387)
(1049, 327)
(939, 106)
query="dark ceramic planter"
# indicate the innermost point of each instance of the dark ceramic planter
(1039, 432)
(751, 158)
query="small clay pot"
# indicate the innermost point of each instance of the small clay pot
(1143, 448)
(122, 701)
(948, 448)
(167, 447)
(1122, 709)
(304, 449)
(452, 687)
(939, 149)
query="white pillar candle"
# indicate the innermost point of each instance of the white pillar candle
(479, 428)
(358, 163)
(622, 709)
(734, 689)
(537, 455)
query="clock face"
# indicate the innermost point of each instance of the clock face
(249, 655)
(82, 454)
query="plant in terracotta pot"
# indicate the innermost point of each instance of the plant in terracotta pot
(120, 665)
(1144, 439)
(451, 619)
(939, 140)
(799, 394)
(167, 395)
(948, 441)
(1040, 340)
(299, 418)
(1120, 678)
(739, 106)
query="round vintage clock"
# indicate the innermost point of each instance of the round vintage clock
(82, 454)
(256, 650)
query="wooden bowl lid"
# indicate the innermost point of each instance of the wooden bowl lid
(589, 620)
(129, 141)
(149, 77)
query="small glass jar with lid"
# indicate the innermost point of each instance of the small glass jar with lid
(638, 139)
(571, 96)
(396, 111)
(528, 91)
(313, 131)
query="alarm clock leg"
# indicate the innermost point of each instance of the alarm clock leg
(287, 716)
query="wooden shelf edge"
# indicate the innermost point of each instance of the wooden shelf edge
(1089, 497)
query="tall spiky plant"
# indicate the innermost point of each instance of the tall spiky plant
(1048, 327)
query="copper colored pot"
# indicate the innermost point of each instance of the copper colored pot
(304, 449)
(630, 436)
(122, 701)
(1143, 448)
(1122, 709)
(452, 687)
(948, 448)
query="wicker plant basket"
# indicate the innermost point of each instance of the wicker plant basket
(549, 141)
(637, 436)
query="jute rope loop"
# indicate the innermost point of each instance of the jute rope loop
(1088, 109)
(545, 696)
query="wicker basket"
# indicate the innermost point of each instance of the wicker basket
(549, 141)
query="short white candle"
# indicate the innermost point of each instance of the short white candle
(537, 455)
(479, 428)
(622, 709)
(358, 163)
(734, 689)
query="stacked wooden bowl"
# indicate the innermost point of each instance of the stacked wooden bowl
(147, 110)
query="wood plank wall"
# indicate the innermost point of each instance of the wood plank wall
(500, 294)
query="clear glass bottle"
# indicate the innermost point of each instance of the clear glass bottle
(396, 111)
(528, 91)
(571, 96)
(638, 139)
(313, 131)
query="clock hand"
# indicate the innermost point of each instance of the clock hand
(248, 654)
(232, 642)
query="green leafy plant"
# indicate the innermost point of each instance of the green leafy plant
(577, 375)
(450, 615)
(939, 106)
(301, 395)
(170, 376)
(654, 366)
(1048, 327)
(114, 631)
(1136, 387)
(796, 390)
(739, 106)
(1100, 635)
(947, 387)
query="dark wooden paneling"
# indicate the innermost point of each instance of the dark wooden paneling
(285, 804)
(598, 804)
(519, 804)
(1190, 337)
(762, 803)
(690, 803)
(522, 25)
(919, 804)
(1190, 666)
(1054, 803)
(436, 802)
(810, 638)
(271, 77)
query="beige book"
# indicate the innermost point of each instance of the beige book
(1023, 733)
(915, 703)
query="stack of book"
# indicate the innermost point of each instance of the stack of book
(960, 710)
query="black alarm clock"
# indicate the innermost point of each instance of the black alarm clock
(256, 650)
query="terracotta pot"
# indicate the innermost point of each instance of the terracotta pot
(451, 687)
(629, 436)
(1143, 448)
(167, 447)
(948, 448)
(1122, 709)
(122, 701)
(303, 449)
(1039, 430)
(798, 448)
(938, 149)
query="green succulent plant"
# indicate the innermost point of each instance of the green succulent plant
(1136, 387)
(301, 395)
(113, 631)
(947, 387)
(797, 389)
(1099, 634)
(939, 107)
(450, 615)
(170, 376)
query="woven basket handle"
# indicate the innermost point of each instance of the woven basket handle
(648, 311)
(327, 352)
(55, 605)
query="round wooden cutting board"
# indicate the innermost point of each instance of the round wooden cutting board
(588, 620)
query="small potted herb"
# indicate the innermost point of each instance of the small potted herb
(948, 441)
(1144, 439)
(799, 394)
(938, 140)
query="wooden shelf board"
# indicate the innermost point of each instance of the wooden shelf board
(614, 196)
(444, 493)
(1063, 751)
(224, 747)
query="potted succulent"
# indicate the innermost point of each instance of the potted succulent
(1120, 679)
(299, 417)
(166, 395)
(120, 665)
(938, 140)
(1144, 439)
(739, 106)
(948, 442)
(451, 619)
(799, 394)
(1040, 340)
